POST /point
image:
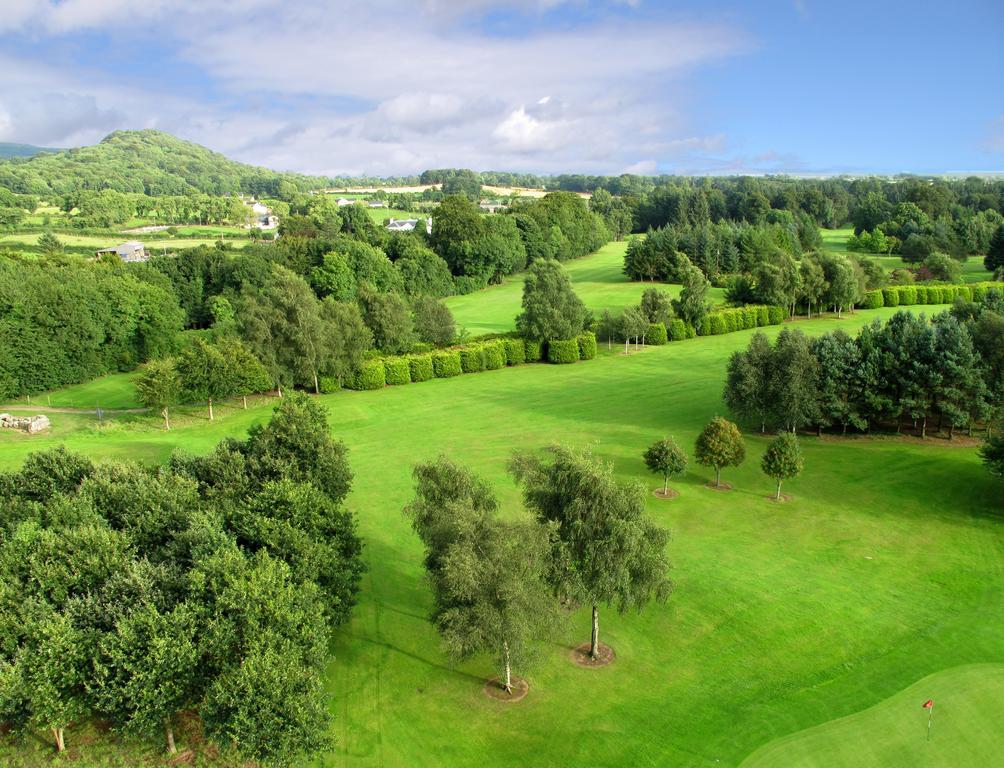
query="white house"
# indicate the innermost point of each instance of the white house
(343, 201)
(130, 252)
(408, 225)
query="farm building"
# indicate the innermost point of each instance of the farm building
(129, 252)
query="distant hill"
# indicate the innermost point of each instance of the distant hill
(22, 150)
(147, 161)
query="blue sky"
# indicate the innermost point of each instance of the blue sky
(395, 86)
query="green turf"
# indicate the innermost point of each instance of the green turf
(115, 390)
(887, 566)
(965, 728)
(598, 279)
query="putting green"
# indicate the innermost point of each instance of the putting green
(966, 729)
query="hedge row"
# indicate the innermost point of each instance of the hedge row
(909, 295)
(740, 319)
(446, 363)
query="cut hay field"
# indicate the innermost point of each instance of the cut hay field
(886, 567)
(598, 279)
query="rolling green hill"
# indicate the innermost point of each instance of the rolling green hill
(8, 150)
(147, 161)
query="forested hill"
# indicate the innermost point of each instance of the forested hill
(22, 150)
(147, 161)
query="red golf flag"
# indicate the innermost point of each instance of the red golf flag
(929, 704)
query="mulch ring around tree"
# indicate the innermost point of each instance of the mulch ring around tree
(659, 493)
(580, 655)
(723, 487)
(785, 498)
(494, 689)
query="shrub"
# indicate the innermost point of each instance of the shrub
(763, 316)
(397, 370)
(890, 297)
(494, 354)
(705, 329)
(907, 295)
(420, 367)
(533, 351)
(775, 315)
(691, 331)
(656, 335)
(751, 317)
(948, 294)
(923, 293)
(718, 325)
(873, 300)
(472, 359)
(729, 321)
(446, 363)
(677, 330)
(963, 292)
(370, 376)
(562, 351)
(515, 351)
(327, 384)
(587, 345)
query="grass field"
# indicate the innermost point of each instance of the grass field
(886, 567)
(115, 390)
(836, 240)
(155, 242)
(598, 279)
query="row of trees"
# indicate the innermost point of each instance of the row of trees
(132, 595)
(908, 369)
(497, 586)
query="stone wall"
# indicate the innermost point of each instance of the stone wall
(29, 424)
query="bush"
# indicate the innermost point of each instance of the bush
(873, 300)
(563, 351)
(775, 315)
(729, 319)
(923, 293)
(948, 294)
(751, 317)
(907, 295)
(963, 292)
(677, 330)
(327, 384)
(691, 331)
(446, 363)
(890, 297)
(472, 359)
(370, 376)
(587, 344)
(656, 335)
(705, 328)
(515, 351)
(420, 367)
(397, 370)
(494, 354)
(718, 324)
(763, 316)
(533, 351)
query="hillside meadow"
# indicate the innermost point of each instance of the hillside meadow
(885, 568)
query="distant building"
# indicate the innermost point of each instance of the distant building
(343, 201)
(261, 216)
(492, 206)
(377, 204)
(408, 225)
(132, 251)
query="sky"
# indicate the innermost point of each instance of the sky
(390, 87)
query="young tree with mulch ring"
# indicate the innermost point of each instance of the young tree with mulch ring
(604, 549)
(667, 459)
(720, 445)
(782, 460)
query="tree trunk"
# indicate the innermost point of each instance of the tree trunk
(245, 399)
(626, 342)
(317, 388)
(594, 641)
(57, 734)
(169, 732)
(167, 419)
(718, 477)
(665, 486)
(819, 430)
(951, 431)
(508, 672)
(923, 429)
(777, 496)
(211, 409)
(763, 427)
(279, 387)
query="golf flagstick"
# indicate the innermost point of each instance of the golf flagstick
(929, 706)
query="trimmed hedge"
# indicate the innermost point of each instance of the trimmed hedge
(397, 370)
(657, 335)
(705, 327)
(775, 315)
(446, 363)
(907, 295)
(873, 300)
(718, 324)
(515, 351)
(587, 345)
(561, 351)
(494, 355)
(533, 351)
(762, 316)
(691, 331)
(370, 376)
(677, 330)
(472, 359)
(420, 367)
(890, 297)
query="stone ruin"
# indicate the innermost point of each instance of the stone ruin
(29, 424)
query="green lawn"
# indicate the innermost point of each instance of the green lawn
(598, 279)
(968, 711)
(155, 241)
(115, 390)
(886, 567)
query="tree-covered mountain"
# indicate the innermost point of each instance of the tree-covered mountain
(8, 150)
(147, 161)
